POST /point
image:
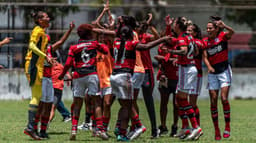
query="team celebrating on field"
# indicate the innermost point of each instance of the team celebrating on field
(112, 61)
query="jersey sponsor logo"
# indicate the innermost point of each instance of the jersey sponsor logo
(84, 45)
(181, 41)
(215, 50)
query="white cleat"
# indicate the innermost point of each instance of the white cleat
(183, 133)
(85, 126)
(195, 134)
(138, 132)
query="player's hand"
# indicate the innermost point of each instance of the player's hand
(7, 40)
(52, 61)
(168, 20)
(174, 62)
(211, 70)
(220, 24)
(72, 25)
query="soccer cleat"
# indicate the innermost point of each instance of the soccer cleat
(163, 130)
(66, 119)
(31, 133)
(217, 135)
(155, 134)
(85, 126)
(130, 133)
(174, 131)
(226, 134)
(217, 138)
(102, 135)
(183, 133)
(117, 131)
(195, 134)
(122, 138)
(43, 135)
(137, 132)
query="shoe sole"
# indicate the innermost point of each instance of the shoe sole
(27, 133)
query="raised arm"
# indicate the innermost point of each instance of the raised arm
(153, 43)
(168, 23)
(104, 31)
(229, 32)
(57, 44)
(152, 28)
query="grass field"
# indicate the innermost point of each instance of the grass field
(13, 119)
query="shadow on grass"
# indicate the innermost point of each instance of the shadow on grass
(58, 133)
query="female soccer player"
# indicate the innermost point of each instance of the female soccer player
(34, 67)
(83, 58)
(220, 74)
(195, 31)
(187, 77)
(124, 55)
(168, 79)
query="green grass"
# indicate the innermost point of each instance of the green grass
(13, 119)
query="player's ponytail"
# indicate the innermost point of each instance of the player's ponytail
(126, 34)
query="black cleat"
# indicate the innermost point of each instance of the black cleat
(31, 133)
(174, 131)
(163, 130)
(43, 135)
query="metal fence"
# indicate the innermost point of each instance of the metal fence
(17, 23)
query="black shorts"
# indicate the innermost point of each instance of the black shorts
(148, 81)
(172, 85)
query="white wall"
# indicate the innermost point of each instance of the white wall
(14, 85)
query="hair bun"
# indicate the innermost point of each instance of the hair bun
(215, 18)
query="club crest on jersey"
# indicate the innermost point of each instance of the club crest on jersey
(216, 39)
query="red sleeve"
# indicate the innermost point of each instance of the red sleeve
(168, 30)
(148, 37)
(160, 52)
(167, 57)
(204, 42)
(102, 48)
(134, 43)
(222, 36)
(159, 73)
(182, 42)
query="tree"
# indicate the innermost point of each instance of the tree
(241, 15)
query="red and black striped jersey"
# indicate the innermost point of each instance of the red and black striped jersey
(217, 51)
(145, 55)
(83, 57)
(127, 57)
(167, 67)
(185, 40)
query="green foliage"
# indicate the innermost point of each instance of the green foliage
(14, 119)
